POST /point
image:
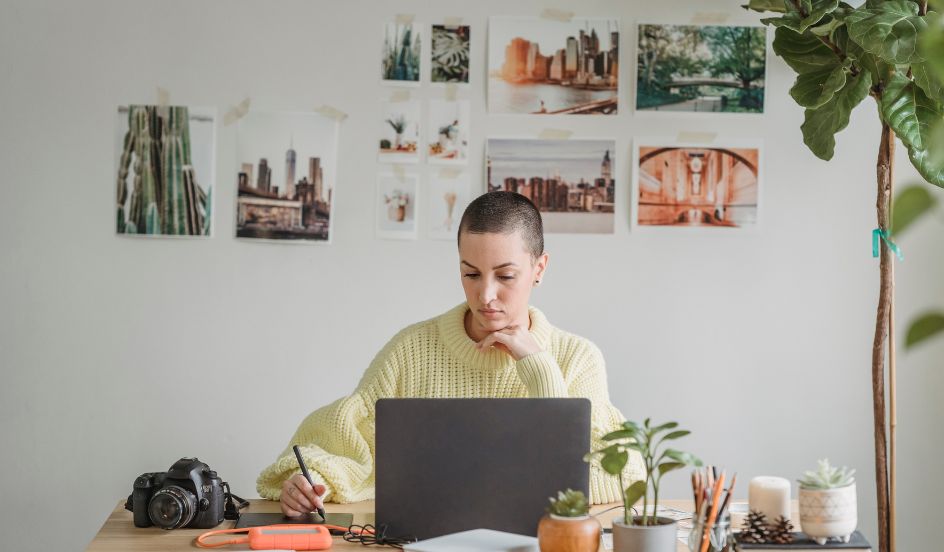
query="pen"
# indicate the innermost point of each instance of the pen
(301, 463)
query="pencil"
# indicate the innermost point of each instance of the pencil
(705, 539)
(727, 497)
(301, 464)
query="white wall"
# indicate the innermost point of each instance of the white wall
(120, 355)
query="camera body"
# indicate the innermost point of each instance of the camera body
(189, 494)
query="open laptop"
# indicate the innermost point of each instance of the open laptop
(449, 465)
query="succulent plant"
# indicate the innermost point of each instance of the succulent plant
(569, 503)
(827, 477)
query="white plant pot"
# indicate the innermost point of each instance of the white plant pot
(639, 538)
(829, 513)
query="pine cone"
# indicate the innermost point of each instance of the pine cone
(754, 530)
(781, 532)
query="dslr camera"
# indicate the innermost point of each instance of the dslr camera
(189, 494)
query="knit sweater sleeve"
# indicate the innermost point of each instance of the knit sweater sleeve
(337, 440)
(589, 380)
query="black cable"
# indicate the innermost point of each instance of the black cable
(369, 535)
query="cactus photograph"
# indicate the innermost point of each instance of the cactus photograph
(286, 165)
(165, 162)
(402, 51)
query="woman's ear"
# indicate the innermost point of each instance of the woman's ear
(540, 266)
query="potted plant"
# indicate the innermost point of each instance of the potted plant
(398, 125)
(643, 532)
(567, 526)
(397, 202)
(828, 503)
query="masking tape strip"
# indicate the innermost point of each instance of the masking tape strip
(710, 18)
(405, 18)
(452, 22)
(557, 15)
(236, 113)
(163, 97)
(451, 91)
(449, 172)
(696, 137)
(331, 113)
(555, 134)
(400, 173)
(400, 96)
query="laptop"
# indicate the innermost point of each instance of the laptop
(450, 465)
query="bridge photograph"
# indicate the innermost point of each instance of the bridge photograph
(705, 68)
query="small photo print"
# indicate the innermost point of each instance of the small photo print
(401, 54)
(396, 206)
(165, 157)
(400, 132)
(285, 176)
(691, 186)
(701, 68)
(570, 181)
(450, 57)
(448, 198)
(545, 67)
(447, 136)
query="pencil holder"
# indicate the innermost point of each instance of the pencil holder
(720, 537)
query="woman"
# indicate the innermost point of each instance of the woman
(493, 345)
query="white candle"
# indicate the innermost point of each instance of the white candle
(770, 496)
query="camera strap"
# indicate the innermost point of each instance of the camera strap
(231, 509)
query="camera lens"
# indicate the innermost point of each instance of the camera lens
(172, 507)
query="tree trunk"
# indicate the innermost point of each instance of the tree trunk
(884, 166)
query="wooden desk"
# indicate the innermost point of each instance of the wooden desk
(119, 533)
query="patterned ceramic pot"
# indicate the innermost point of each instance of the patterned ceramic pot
(828, 513)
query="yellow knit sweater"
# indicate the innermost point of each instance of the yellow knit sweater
(436, 359)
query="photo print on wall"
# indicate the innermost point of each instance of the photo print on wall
(450, 54)
(396, 205)
(543, 66)
(570, 181)
(401, 54)
(448, 131)
(286, 176)
(165, 159)
(449, 195)
(703, 68)
(714, 186)
(400, 132)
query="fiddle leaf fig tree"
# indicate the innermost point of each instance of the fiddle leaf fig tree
(893, 52)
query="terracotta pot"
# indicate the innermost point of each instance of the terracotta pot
(401, 213)
(828, 513)
(645, 538)
(568, 534)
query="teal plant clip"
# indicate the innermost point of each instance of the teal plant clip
(879, 234)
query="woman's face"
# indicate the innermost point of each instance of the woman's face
(497, 276)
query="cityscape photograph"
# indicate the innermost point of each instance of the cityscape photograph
(570, 181)
(689, 186)
(285, 177)
(548, 67)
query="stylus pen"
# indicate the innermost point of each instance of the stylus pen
(301, 463)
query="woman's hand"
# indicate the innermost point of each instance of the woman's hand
(299, 497)
(517, 341)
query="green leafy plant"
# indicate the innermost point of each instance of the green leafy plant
(398, 124)
(450, 54)
(827, 477)
(569, 503)
(650, 442)
(892, 51)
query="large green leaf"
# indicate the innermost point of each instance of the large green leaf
(802, 52)
(879, 69)
(633, 493)
(927, 79)
(931, 45)
(925, 326)
(889, 30)
(815, 88)
(909, 205)
(614, 463)
(794, 20)
(909, 111)
(930, 161)
(766, 5)
(822, 123)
